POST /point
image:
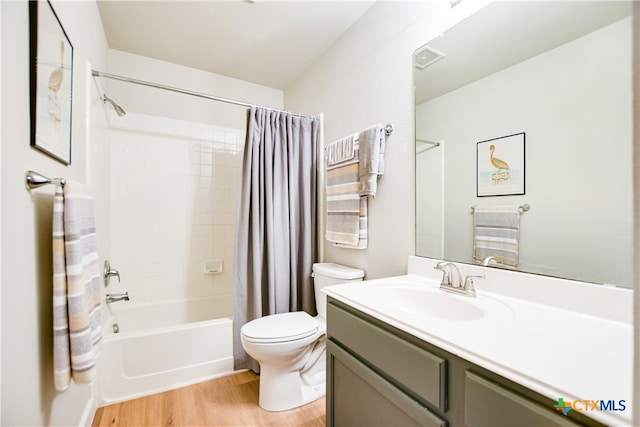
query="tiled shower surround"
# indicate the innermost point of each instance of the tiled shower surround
(174, 191)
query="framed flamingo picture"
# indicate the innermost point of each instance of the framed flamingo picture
(500, 166)
(51, 68)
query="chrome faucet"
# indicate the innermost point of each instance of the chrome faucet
(450, 274)
(469, 289)
(117, 297)
(487, 261)
(452, 279)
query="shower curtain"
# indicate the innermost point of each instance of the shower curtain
(276, 229)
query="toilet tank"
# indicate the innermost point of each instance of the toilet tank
(325, 274)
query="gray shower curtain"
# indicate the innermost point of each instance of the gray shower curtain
(275, 244)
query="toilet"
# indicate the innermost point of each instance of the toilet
(290, 347)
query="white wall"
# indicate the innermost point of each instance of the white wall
(366, 77)
(28, 395)
(0, 211)
(636, 211)
(563, 126)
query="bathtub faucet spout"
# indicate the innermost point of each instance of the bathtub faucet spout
(117, 297)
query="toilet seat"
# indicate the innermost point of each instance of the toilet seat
(281, 327)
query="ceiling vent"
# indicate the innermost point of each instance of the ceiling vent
(426, 56)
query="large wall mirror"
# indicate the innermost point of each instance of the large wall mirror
(558, 76)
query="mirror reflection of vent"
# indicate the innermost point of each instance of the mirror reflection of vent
(426, 56)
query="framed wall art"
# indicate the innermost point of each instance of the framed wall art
(51, 66)
(501, 166)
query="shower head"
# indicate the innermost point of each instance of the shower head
(119, 111)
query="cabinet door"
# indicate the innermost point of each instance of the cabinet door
(357, 396)
(491, 405)
(406, 364)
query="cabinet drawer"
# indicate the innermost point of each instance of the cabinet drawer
(360, 397)
(410, 366)
(489, 404)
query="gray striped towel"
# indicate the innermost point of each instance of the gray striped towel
(77, 330)
(497, 234)
(346, 210)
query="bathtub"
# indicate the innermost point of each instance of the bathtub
(162, 346)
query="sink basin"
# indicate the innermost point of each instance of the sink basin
(435, 303)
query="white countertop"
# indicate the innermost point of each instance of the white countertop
(556, 352)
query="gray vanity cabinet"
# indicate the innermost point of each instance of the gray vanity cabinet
(378, 375)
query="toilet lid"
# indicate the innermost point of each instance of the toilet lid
(280, 327)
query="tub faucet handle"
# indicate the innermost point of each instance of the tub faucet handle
(109, 298)
(108, 272)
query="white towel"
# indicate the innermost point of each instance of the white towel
(76, 296)
(371, 156)
(341, 150)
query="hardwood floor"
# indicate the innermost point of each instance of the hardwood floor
(226, 401)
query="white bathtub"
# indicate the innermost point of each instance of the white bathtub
(162, 346)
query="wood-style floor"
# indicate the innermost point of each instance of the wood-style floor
(228, 401)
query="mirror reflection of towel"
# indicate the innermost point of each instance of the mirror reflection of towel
(497, 234)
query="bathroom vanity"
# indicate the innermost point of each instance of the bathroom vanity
(398, 353)
(380, 375)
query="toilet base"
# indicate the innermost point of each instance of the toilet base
(286, 391)
(292, 373)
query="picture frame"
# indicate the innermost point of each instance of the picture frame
(501, 166)
(51, 82)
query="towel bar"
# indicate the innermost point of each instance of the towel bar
(388, 130)
(523, 208)
(35, 180)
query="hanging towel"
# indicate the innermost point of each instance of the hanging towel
(344, 204)
(497, 234)
(76, 281)
(61, 354)
(362, 232)
(371, 155)
(342, 150)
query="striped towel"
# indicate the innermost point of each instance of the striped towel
(346, 210)
(497, 234)
(362, 228)
(77, 330)
(372, 143)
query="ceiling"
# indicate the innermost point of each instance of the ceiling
(270, 43)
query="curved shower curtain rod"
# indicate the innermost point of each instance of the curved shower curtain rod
(96, 73)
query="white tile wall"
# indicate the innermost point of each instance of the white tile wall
(173, 196)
